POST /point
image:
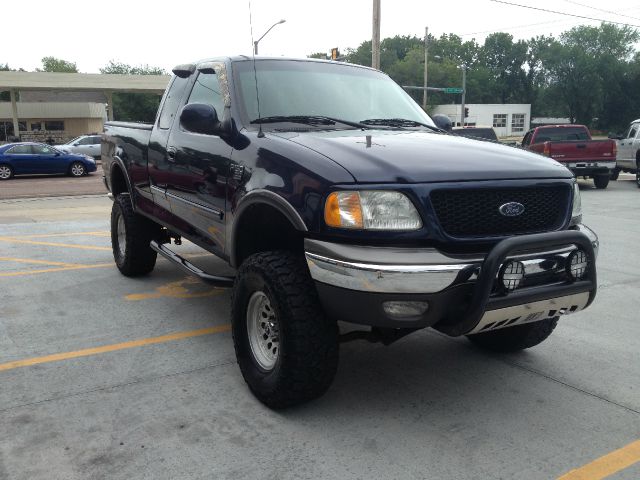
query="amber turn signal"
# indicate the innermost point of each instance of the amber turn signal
(343, 210)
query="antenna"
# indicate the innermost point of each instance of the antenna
(255, 74)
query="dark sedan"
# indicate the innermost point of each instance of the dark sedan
(38, 158)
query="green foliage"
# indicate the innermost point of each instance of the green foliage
(52, 64)
(589, 74)
(133, 107)
(4, 96)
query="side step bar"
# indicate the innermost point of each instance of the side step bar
(223, 282)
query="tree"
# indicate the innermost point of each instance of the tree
(133, 107)
(320, 55)
(4, 96)
(52, 64)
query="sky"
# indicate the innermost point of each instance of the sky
(166, 33)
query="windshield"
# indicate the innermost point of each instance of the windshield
(299, 88)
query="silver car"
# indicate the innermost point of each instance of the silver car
(84, 145)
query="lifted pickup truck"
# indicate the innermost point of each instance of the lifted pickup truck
(335, 198)
(572, 146)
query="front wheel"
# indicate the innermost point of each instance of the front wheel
(513, 339)
(601, 181)
(131, 235)
(287, 349)
(77, 169)
(615, 173)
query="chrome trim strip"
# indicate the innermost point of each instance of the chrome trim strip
(194, 204)
(530, 312)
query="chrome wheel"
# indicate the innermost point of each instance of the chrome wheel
(263, 330)
(5, 172)
(77, 170)
(122, 236)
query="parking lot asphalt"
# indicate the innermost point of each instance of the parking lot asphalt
(103, 376)
(30, 186)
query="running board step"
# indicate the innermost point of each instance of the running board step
(223, 282)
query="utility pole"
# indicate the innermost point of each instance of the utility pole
(464, 92)
(375, 38)
(426, 60)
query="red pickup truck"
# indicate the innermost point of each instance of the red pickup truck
(572, 146)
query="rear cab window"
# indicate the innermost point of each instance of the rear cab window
(561, 134)
(172, 100)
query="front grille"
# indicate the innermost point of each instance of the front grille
(475, 212)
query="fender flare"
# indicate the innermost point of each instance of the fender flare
(263, 197)
(117, 162)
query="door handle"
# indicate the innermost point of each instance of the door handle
(171, 154)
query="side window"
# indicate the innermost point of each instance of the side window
(171, 102)
(20, 150)
(95, 140)
(207, 90)
(632, 131)
(86, 141)
(41, 150)
(527, 139)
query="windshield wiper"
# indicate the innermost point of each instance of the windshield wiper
(399, 122)
(308, 120)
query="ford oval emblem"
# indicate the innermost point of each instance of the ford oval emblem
(511, 209)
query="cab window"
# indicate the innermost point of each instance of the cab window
(170, 105)
(20, 150)
(207, 90)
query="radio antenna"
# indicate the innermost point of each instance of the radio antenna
(255, 74)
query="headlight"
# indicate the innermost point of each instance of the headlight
(576, 213)
(371, 210)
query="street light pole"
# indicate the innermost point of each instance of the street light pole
(375, 37)
(255, 44)
(464, 92)
(426, 59)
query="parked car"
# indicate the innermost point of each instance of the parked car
(628, 156)
(483, 133)
(573, 146)
(83, 145)
(37, 158)
(348, 204)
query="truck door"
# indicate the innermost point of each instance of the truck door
(161, 166)
(625, 147)
(199, 196)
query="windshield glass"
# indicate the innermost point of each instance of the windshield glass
(341, 91)
(561, 134)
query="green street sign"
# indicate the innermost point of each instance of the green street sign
(452, 90)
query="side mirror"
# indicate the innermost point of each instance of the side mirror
(200, 118)
(76, 144)
(57, 154)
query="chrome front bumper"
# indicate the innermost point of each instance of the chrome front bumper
(396, 270)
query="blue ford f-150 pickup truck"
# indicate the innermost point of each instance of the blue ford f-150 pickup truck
(335, 198)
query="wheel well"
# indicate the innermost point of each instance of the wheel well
(262, 228)
(118, 181)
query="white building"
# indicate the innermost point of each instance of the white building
(507, 119)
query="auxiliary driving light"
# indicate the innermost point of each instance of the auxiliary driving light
(405, 310)
(577, 264)
(511, 274)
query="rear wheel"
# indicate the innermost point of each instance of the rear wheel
(6, 172)
(77, 169)
(131, 235)
(513, 339)
(601, 181)
(287, 349)
(638, 174)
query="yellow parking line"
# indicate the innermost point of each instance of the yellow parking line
(51, 244)
(112, 348)
(607, 465)
(72, 234)
(51, 270)
(37, 262)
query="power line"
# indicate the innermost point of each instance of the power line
(515, 27)
(601, 10)
(564, 13)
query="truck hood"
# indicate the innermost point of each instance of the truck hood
(390, 156)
